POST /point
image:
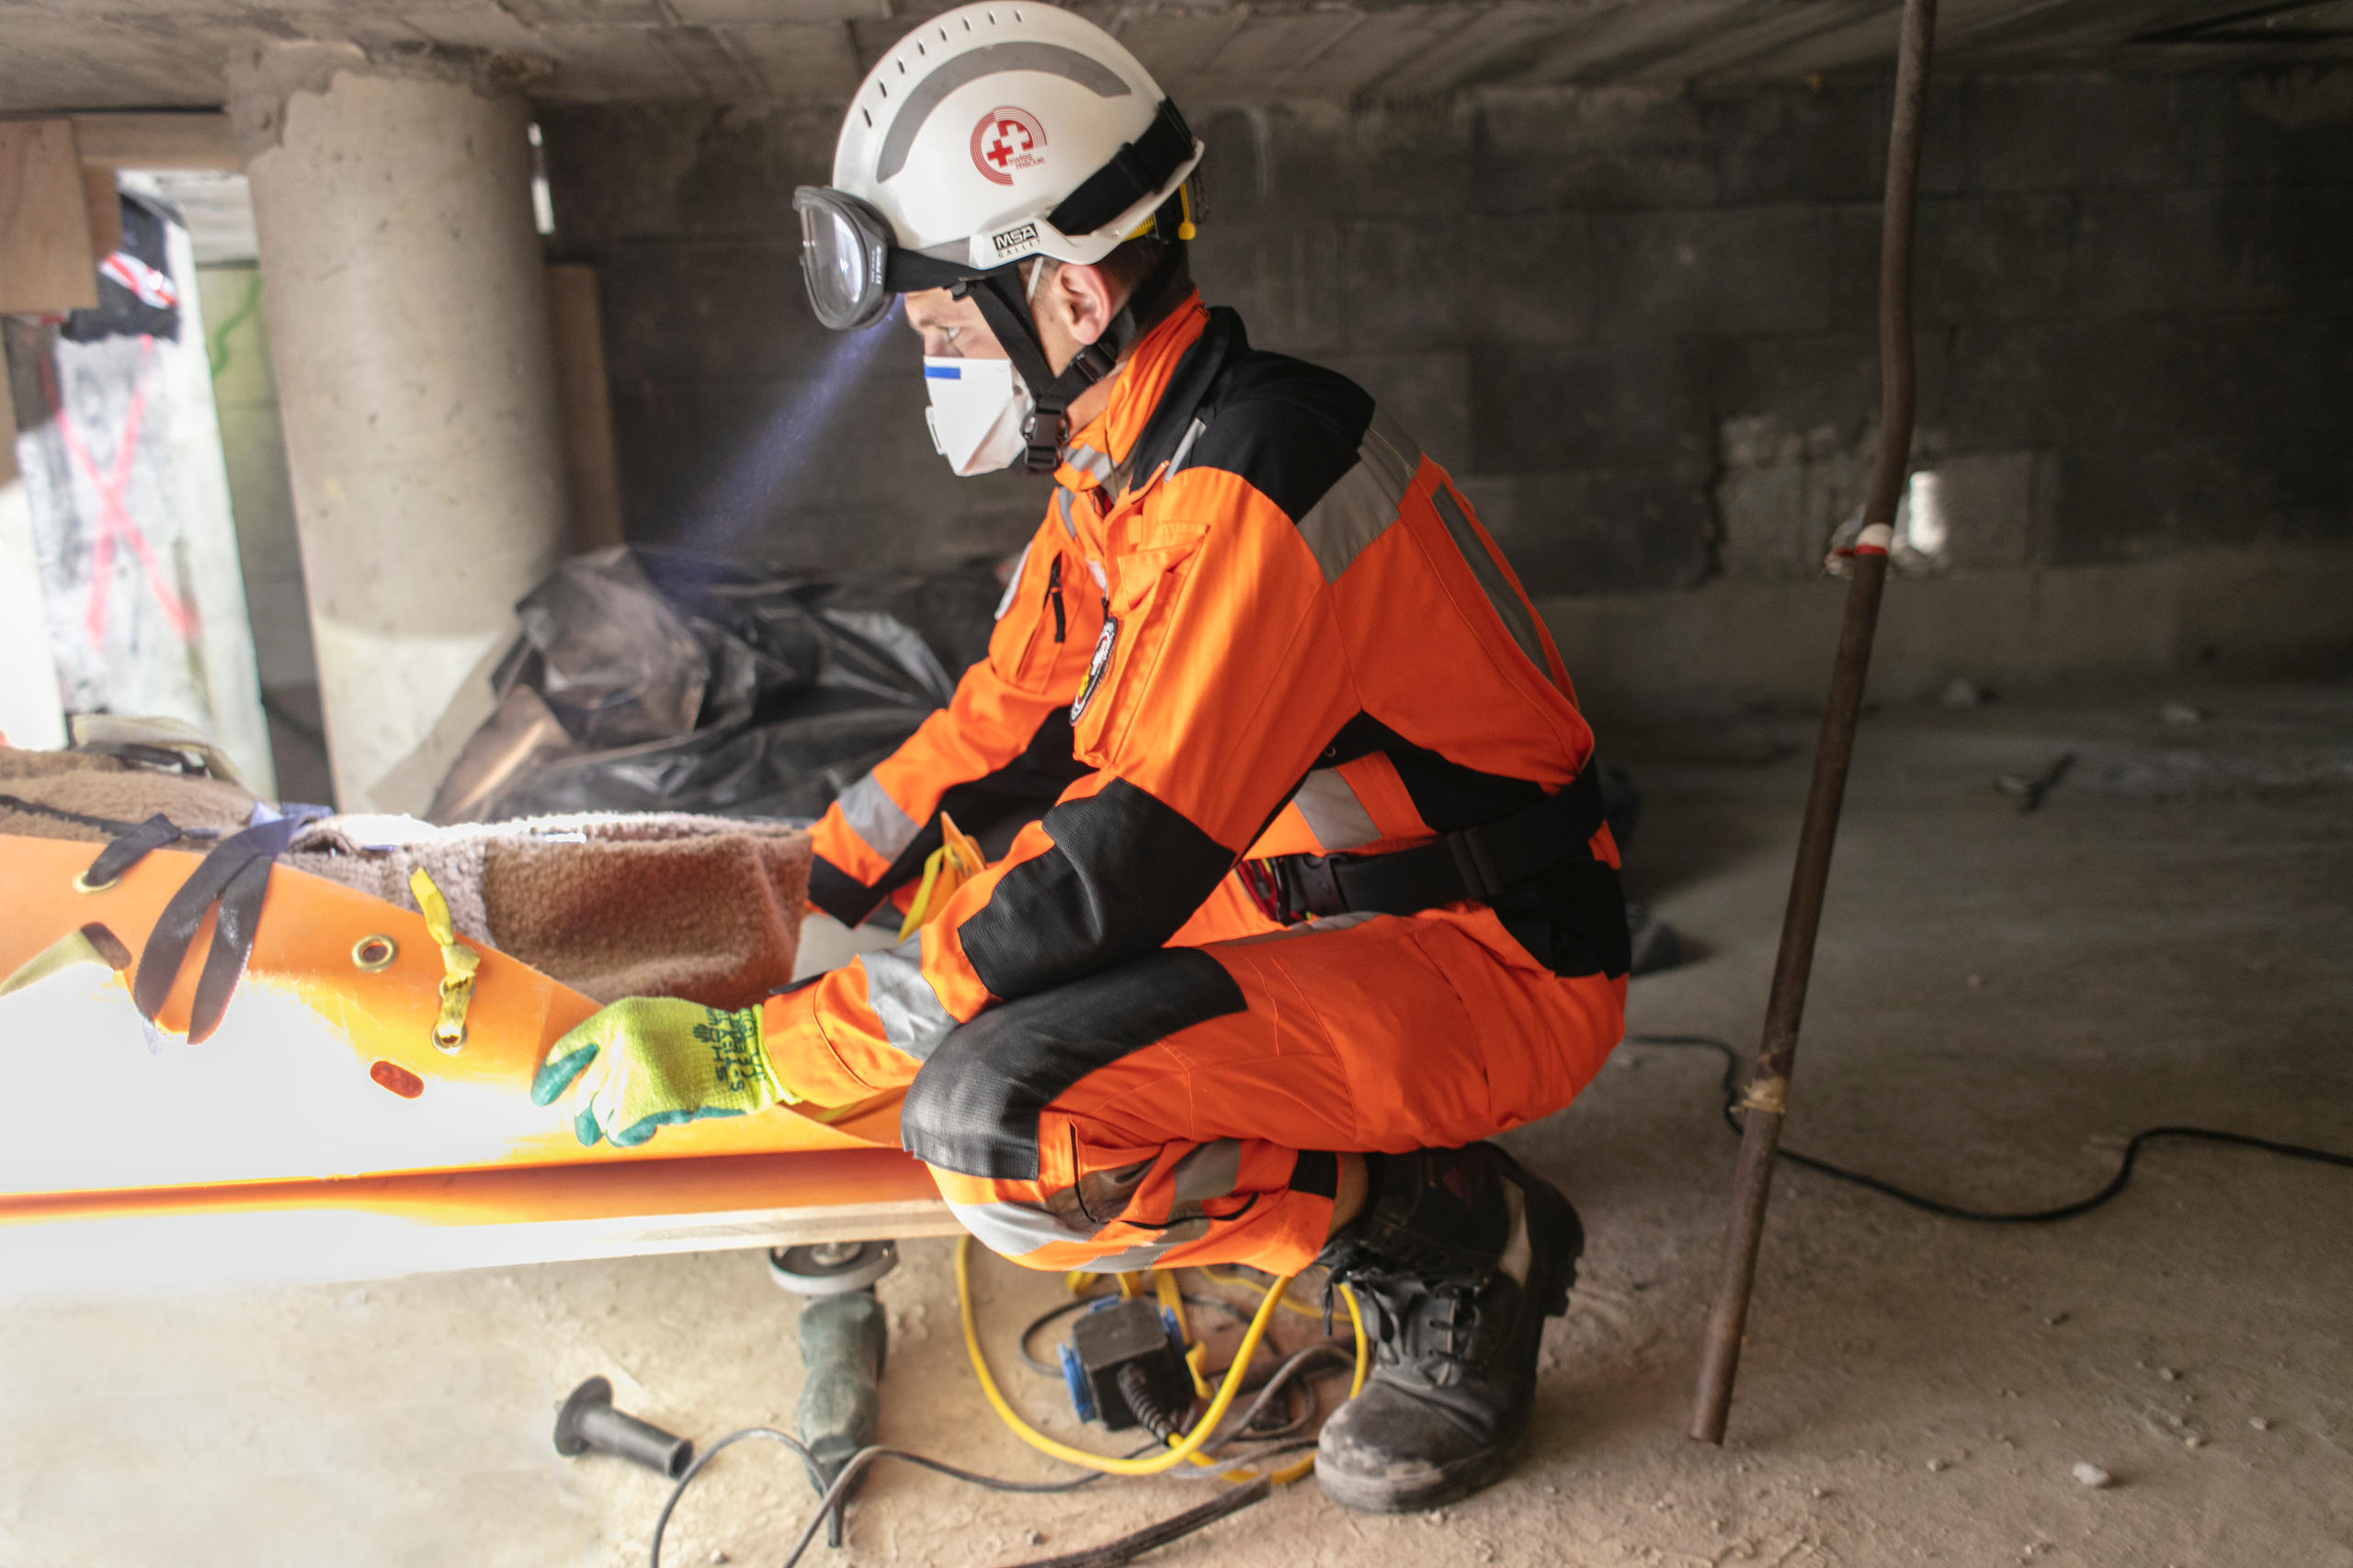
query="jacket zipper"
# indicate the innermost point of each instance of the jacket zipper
(1054, 597)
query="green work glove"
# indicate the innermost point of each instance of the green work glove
(646, 1062)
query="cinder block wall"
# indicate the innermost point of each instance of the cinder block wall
(1638, 326)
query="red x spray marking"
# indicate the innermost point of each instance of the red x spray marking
(114, 515)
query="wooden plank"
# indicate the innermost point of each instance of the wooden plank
(103, 207)
(158, 140)
(585, 406)
(45, 260)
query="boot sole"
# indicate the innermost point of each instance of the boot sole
(1556, 1239)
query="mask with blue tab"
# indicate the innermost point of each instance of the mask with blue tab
(979, 414)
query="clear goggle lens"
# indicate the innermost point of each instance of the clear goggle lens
(844, 244)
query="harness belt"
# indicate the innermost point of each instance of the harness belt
(1473, 864)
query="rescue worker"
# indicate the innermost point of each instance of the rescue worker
(1327, 899)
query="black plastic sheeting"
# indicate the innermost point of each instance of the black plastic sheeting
(644, 681)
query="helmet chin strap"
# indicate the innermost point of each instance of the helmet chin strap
(1005, 305)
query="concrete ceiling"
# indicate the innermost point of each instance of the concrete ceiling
(95, 55)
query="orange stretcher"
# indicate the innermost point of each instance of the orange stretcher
(320, 1132)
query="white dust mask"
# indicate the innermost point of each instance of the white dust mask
(978, 409)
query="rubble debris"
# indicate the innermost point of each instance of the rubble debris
(2032, 791)
(2181, 715)
(2092, 1475)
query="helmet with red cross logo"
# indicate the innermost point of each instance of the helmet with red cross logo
(976, 135)
(990, 134)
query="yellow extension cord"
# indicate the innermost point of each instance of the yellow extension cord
(1180, 1448)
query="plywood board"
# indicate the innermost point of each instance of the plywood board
(104, 206)
(173, 140)
(45, 260)
(589, 465)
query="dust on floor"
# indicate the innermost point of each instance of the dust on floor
(2001, 996)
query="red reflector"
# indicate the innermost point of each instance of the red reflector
(398, 1079)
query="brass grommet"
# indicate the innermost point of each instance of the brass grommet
(82, 883)
(450, 1044)
(373, 953)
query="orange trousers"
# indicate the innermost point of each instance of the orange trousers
(1189, 1107)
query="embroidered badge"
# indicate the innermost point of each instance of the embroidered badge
(1095, 665)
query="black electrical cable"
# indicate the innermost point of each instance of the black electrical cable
(1985, 1216)
(1128, 1547)
(840, 1487)
(1136, 1389)
(1040, 1321)
(1152, 1535)
(1295, 1364)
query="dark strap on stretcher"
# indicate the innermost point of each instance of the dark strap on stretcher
(236, 875)
(1473, 863)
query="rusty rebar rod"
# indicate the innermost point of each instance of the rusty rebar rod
(1765, 1101)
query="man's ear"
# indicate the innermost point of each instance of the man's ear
(1084, 299)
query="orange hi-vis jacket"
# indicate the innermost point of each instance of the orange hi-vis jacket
(1256, 627)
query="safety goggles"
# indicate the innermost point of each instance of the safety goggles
(854, 267)
(845, 251)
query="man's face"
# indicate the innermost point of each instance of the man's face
(950, 328)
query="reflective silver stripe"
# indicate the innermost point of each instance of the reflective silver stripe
(1211, 1171)
(1333, 814)
(1387, 447)
(1015, 1229)
(1096, 465)
(989, 60)
(1102, 583)
(1131, 1259)
(1500, 593)
(1184, 446)
(1359, 508)
(1013, 584)
(1108, 1193)
(1062, 508)
(876, 818)
(913, 1018)
(1320, 922)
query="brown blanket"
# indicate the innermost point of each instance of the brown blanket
(612, 905)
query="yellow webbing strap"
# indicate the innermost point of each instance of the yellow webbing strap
(458, 961)
(957, 861)
(75, 947)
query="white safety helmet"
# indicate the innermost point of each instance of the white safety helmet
(991, 134)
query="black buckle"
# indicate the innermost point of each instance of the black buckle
(1293, 887)
(1469, 847)
(1041, 437)
(1311, 886)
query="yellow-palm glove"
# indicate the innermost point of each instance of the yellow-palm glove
(646, 1062)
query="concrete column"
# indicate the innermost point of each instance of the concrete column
(407, 309)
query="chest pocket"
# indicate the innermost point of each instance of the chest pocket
(1148, 568)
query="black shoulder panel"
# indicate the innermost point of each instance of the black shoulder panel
(974, 1105)
(1448, 794)
(1124, 872)
(1290, 428)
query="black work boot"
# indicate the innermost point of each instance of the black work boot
(1456, 1264)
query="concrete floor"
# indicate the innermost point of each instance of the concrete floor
(2000, 997)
